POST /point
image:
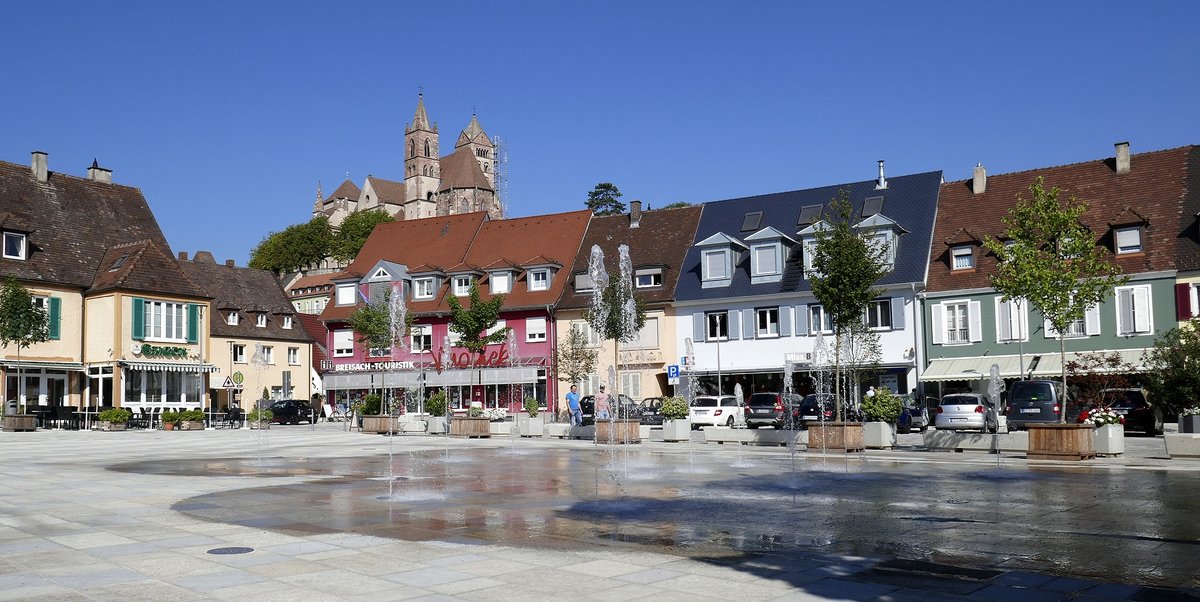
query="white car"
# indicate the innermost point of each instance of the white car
(708, 410)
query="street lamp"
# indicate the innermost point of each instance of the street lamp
(718, 317)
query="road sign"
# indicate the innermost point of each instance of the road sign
(229, 384)
(238, 378)
(673, 371)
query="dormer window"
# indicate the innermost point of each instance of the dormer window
(423, 288)
(345, 294)
(14, 245)
(260, 320)
(808, 240)
(539, 280)
(719, 253)
(462, 286)
(765, 260)
(501, 282)
(233, 319)
(962, 257)
(716, 264)
(583, 283)
(1128, 240)
(648, 278)
(287, 323)
(381, 274)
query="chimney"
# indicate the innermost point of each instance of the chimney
(881, 183)
(230, 263)
(99, 174)
(979, 179)
(183, 256)
(39, 166)
(635, 213)
(204, 257)
(1122, 157)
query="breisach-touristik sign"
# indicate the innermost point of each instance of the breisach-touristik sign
(373, 366)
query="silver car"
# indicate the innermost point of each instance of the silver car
(966, 411)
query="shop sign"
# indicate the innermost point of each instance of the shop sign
(373, 366)
(157, 351)
(485, 359)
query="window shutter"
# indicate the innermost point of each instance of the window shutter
(937, 323)
(1124, 311)
(193, 324)
(1022, 317)
(898, 313)
(749, 330)
(137, 330)
(785, 321)
(698, 330)
(1183, 301)
(1003, 320)
(801, 320)
(1091, 320)
(1048, 328)
(55, 318)
(732, 318)
(974, 328)
(1141, 309)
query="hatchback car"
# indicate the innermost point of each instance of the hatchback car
(649, 411)
(616, 403)
(1035, 401)
(962, 411)
(814, 408)
(770, 409)
(914, 413)
(292, 411)
(713, 411)
(1140, 415)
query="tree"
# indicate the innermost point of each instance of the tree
(295, 247)
(846, 264)
(575, 358)
(1051, 259)
(353, 232)
(677, 205)
(372, 323)
(604, 199)
(616, 312)
(472, 323)
(1174, 366)
(21, 322)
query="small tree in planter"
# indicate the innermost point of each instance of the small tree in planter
(676, 426)
(531, 426)
(880, 411)
(435, 406)
(21, 322)
(114, 419)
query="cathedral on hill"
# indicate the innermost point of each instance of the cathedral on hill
(463, 181)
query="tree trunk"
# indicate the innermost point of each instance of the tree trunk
(616, 376)
(1062, 355)
(837, 371)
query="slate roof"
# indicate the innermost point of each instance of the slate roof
(73, 223)
(910, 200)
(661, 239)
(1155, 190)
(250, 291)
(143, 266)
(461, 170)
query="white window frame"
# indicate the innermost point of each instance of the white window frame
(421, 338)
(293, 356)
(535, 330)
(759, 268)
(462, 286)
(345, 294)
(22, 243)
(381, 274)
(713, 326)
(539, 280)
(343, 343)
(648, 278)
(238, 353)
(810, 254)
(1018, 320)
(1087, 326)
(593, 338)
(1130, 247)
(950, 318)
(423, 288)
(957, 323)
(881, 311)
(165, 321)
(500, 283)
(269, 354)
(584, 284)
(233, 319)
(631, 384)
(962, 252)
(287, 322)
(497, 327)
(1136, 303)
(766, 322)
(723, 258)
(260, 321)
(883, 239)
(819, 322)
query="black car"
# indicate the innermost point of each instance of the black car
(814, 408)
(771, 409)
(619, 406)
(292, 411)
(648, 412)
(1140, 414)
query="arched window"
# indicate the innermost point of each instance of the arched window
(466, 207)
(412, 148)
(426, 147)
(486, 169)
(425, 170)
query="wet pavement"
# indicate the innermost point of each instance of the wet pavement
(411, 517)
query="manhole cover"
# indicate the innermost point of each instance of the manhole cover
(231, 550)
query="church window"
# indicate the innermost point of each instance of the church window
(426, 147)
(412, 148)
(486, 168)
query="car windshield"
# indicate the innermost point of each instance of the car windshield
(704, 402)
(1031, 391)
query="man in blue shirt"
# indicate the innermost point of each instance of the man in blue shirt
(573, 407)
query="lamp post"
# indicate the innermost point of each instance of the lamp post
(718, 317)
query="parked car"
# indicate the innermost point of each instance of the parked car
(814, 408)
(1036, 402)
(915, 412)
(292, 411)
(616, 403)
(960, 411)
(771, 409)
(649, 411)
(1140, 415)
(712, 411)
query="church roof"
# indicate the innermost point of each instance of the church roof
(461, 170)
(473, 133)
(389, 191)
(420, 119)
(346, 191)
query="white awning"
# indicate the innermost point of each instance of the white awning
(1048, 365)
(32, 365)
(170, 366)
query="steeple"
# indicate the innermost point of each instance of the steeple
(319, 204)
(422, 165)
(420, 119)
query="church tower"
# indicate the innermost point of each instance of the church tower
(481, 148)
(422, 170)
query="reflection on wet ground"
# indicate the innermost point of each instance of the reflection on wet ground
(1127, 525)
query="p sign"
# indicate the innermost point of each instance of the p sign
(673, 371)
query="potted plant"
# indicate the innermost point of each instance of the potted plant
(676, 426)
(474, 424)
(531, 426)
(1189, 420)
(880, 412)
(259, 418)
(372, 419)
(170, 420)
(191, 420)
(1109, 437)
(114, 419)
(435, 406)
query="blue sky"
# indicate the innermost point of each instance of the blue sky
(226, 114)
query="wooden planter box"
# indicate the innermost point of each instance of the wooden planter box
(835, 436)
(465, 426)
(1189, 424)
(676, 430)
(618, 431)
(191, 425)
(380, 424)
(20, 423)
(1109, 440)
(1060, 442)
(111, 426)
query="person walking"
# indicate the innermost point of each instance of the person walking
(602, 404)
(574, 415)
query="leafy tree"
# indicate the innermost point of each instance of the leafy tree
(604, 199)
(373, 325)
(845, 267)
(295, 247)
(1094, 372)
(1174, 365)
(472, 322)
(21, 321)
(677, 205)
(353, 232)
(1051, 259)
(575, 358)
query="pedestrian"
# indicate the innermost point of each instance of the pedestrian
(575, 416)
(871, 391)
(601, 404)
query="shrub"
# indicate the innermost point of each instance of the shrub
(475, 412)
(371, 404)
(883, 406)
(674, 408)
(531, 406)
(170, 416)
(260, 415)
(115, 415)
(192, 416)
(436, 404)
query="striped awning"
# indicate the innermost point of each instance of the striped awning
(1048, 365)
(170, 366)
(35, 365)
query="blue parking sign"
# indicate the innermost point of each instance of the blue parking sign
(673, 371)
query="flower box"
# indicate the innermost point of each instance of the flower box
(104, 425)
(835, 436)
(465, 426)
(618, 431)
(1060, 442)
(677, 430)
(1109, 440)
(530, 426)
(20, 423)
(380, 424)
(1189, 424)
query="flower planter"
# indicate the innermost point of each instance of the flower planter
(1060, 442)
(679, 429)
(1109, 440)
(1189, 424)
(258, 424)
(436, 425)
(20, 423)
(191, 425)
(111, 426)
(835, 436)
(465, 426)
(380, 424)
(168, 426)
(531, 426)
(618, 431)
(879, 435)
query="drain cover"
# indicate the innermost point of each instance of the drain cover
(232, 550)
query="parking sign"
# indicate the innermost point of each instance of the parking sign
(673, 371)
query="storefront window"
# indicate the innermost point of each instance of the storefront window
(134, 386)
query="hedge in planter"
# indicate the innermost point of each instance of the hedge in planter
(114, 419)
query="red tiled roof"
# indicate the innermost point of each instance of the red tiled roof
(143, 266)
(316, 330)
(544, 236)
(317, 281)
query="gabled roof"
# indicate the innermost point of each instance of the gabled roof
(460, 169)
(721, 239)
(542, 238)
(501, 265)
(464, 268)
(249, 291)
(473, 133)
(540, 261)
(1163, 187)
(144, 267)
(347, 190)
(395, 271)
(425, 268)
(318, 281)
(661, 240)
(387, 191)
(769, 233)
(911, 202)
(878, 221)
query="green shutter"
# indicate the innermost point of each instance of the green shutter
(55, 317)
(138, 331)
(193, 325)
